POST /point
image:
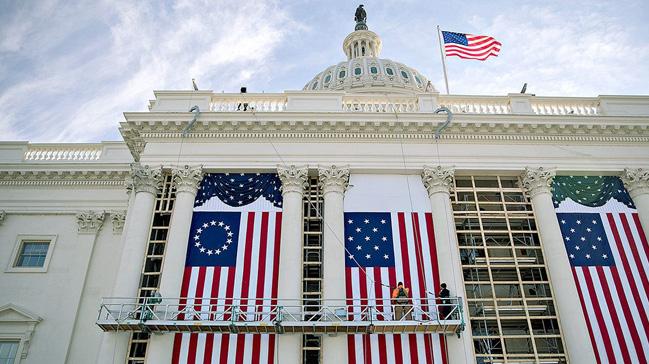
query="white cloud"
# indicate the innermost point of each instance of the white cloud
(80, 96)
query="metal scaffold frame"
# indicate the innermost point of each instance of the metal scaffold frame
(270, 316)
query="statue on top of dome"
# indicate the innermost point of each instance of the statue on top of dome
(360, 17)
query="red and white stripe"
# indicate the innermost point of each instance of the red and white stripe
(416, 266)
(479, 47)
(615, 299)
(254, 276)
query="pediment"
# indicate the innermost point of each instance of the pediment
(13, 313)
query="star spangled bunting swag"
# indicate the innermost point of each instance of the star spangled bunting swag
(387, 240)
(609, 256)
(232, 254)
(469, 46)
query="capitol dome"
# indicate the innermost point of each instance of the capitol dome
(364, 71)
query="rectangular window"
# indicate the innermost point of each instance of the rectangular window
(32, 254)
(8, 351)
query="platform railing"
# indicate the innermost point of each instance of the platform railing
(266, 315)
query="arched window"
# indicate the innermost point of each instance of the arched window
(327, 78)
(389, 71)
(342, 74)
(374, 70)
(404, 74)
(358, 71)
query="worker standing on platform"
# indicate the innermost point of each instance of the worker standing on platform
(401, 302)
(444, 310)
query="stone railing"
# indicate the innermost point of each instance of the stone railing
(63, 152)
(248, 102)
(476, 104)
(565, 105)
(304, 101)
(90, 153)
(379, 103)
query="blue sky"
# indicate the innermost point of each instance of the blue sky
(69, 69)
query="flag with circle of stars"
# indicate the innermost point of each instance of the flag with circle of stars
(368, 239)
(240, 189)
(213, 239)
(590, 191)
(585, 239)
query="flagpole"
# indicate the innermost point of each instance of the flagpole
(443, 55)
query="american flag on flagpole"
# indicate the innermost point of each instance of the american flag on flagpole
(383, 248)
(609, 255)
(231, 254)
(469, 46)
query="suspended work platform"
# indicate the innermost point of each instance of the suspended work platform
(272, 316)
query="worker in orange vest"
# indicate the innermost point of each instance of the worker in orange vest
(401, 302)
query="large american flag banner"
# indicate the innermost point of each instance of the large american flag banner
(232, 254)
(383, 248)
(609, 255)
(469, 46)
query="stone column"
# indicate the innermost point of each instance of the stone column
(636, 182)
(334, 181)
(438, 181)
(537, 182)
(146, 183)
(290, 259)
(186, 180)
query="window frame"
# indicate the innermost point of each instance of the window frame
(21, 239)
(19, 349)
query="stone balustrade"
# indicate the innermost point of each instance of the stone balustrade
(565, 105)
(104, 152)
(248, 102)
(519, 104)
(63, 152)
(476, 104)
(379, 103)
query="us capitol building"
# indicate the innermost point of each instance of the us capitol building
(274, 228)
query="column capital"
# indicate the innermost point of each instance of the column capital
(333, 178)
(129, 184)
(636, 181)
(118, 218)
(90, 222)
(187, 178)
(293, 178)
(438, 179)
(537, 180)
(145, 179)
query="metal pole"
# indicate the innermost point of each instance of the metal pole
(443, 55)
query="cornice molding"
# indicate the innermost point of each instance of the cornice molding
(3, 216)
(333, 179)
(293, 178)
(187, 179)
(90, 222)
(145, 178)
(63, 178)
(413, 127)
(537, 181)
(636, 181)
(438, 179)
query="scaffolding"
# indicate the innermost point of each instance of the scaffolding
(509, 298)
(273, 316)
